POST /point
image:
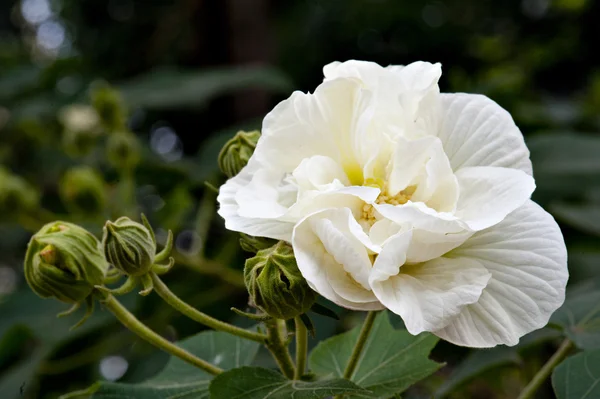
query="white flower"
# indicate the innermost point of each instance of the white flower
(396, 196)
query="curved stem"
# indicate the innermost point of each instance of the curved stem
(139, 328)
(276, 345)
(301, 347)
(529, 391)
(169, 297)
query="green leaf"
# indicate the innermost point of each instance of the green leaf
(583, 217)
(166, 89)
(578, 377)
(579, 317)
(260, 383)
(181, 380)
(565, 164)
(477, 362)
(392, 360)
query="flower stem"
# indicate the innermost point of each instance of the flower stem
(360, 344)
(139, 328)
(358, 347)
(168, 296)
(541, 376)
(301, 347)
(277, 346)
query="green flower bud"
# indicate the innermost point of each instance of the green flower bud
(81, 129)
(110, 106)
(82, 191)
(16, 194)
(64, 261)
(275, 283)
(128, 246)
(123, 150)
(236, 153)
(255, 244)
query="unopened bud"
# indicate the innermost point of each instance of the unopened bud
(110, 106)
(128, 246)
(64, 261)
(82, 190)
(275, 283)
(123, 150)
(236, 153)
(254, 244)
(16, 194)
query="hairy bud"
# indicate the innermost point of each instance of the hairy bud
(64, 261)
(128, 246)
(275, 283)
(236, 153)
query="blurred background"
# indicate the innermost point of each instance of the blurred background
(176, 78)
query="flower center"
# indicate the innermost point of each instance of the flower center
(368, 210)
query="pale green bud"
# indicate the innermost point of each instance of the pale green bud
(236, 153)
(123, 150)
(82, 190)
(128, 246)
(275, 283)
(110, 106)
(64, 261)
(16, 194)
(81, 129)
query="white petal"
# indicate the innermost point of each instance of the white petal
(422, 162)
(527, 257)
(426, 295)
(330, 122)
(229, 210)
(488, 194)
(475, 131)
(329, 249)
(320, 173)
(421, 217)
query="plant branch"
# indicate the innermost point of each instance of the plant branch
(139, 328)
(277, 346)
(541, 376)
(301, 347)
(169, 297)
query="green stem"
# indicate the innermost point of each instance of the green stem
(301, 347)
(358, 347)
(360, 344)
(139, 328)
(541, 376)
(169, 297)
(278, 348)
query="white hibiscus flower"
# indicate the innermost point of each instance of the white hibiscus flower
(396, 196)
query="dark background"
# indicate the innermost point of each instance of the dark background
(192, 72)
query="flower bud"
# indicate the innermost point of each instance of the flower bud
(123, 150)
(236, 153)
(128, 246)
(64, 261)
(254, 244)
(81, 129)
(82, 191)
(275, 283)
(110, 106)
(16, 194)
